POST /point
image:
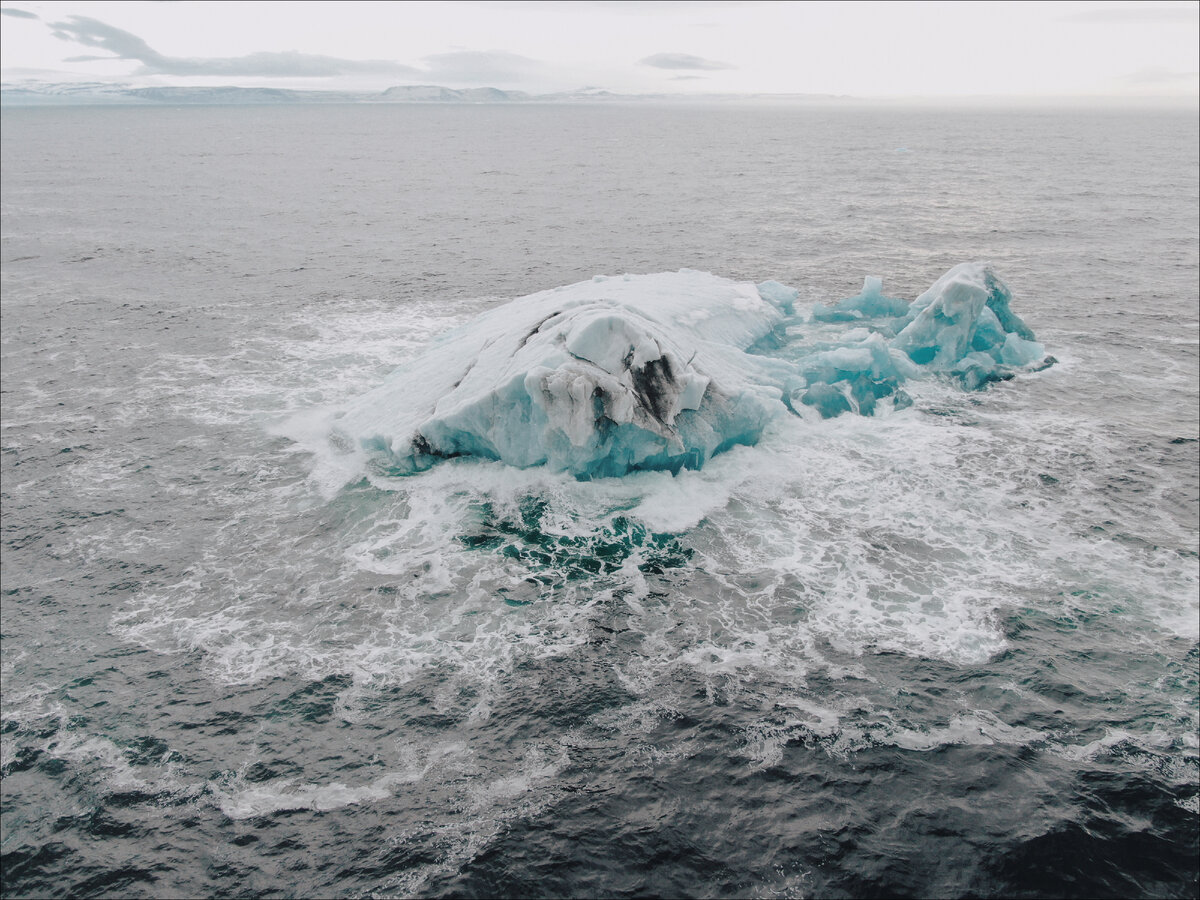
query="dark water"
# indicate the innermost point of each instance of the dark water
(947, 652)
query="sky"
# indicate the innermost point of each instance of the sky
(1146, 49)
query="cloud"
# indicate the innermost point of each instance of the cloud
(92, 33)
(466, 66)
(683, 61)
(686, 78)
(1135, 15)
(124, 45)
(16, 13)
(641, 6)
(1157, 76)
(475, 66)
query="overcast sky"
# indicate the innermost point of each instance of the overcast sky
(887, 49)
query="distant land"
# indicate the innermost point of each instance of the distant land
(33, 93)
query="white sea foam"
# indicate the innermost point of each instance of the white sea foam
(978, 728)
(882, 534)
(914, 532)
(246, 801)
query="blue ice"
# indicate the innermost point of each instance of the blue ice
(963, 325)
(869, 303)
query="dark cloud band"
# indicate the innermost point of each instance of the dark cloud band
(684, 61)
(124, 45)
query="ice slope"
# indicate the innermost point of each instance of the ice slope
(664, 371)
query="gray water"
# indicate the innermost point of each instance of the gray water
(950, 651)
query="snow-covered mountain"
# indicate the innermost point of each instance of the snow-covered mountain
(37, 93)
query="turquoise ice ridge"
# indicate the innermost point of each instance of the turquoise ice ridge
(962, 327)
(869, 304)
(665, 371)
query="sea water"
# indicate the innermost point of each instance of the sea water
(951, 650)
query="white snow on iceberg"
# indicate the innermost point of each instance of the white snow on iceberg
(660, 371)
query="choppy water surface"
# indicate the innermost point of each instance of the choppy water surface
(948, 651)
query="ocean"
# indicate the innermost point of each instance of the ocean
(951, 651)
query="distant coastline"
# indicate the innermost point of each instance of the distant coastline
(27, 93)
(100, 93)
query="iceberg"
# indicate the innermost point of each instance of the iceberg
(964, 326)
(664, 371)
(961, 328)
(598, 378)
